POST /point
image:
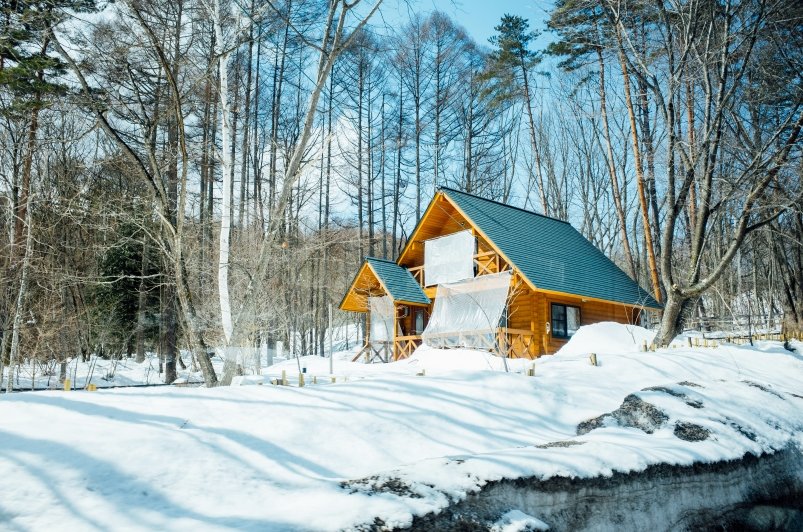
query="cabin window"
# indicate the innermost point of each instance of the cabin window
(418, 321)
(565, 320)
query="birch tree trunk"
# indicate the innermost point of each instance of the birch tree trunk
(19, 310)
(226, 167)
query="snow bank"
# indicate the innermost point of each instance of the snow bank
(437, 361)
(390, 445)
(606, 337)
(424, 359)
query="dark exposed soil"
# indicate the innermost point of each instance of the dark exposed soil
(634, 412)
(752, 493)
(691, 431)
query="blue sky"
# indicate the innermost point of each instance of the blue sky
(478, 16)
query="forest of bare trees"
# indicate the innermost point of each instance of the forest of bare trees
(187, 176)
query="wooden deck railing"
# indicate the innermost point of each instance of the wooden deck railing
(418, 274)
(405, 345)
(517, 343)
(512, 343)
(487, 262)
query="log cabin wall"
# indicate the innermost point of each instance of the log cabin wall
(591, 311)
(531, 310)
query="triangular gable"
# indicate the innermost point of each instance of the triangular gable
(440, 218)
(378, 277)
(551, 255)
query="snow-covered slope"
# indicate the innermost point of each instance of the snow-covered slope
(389, 445)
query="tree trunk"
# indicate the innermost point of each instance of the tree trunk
(533, 137)
(23, 289)
(226, 172)
(617, 196)
(642, 193)
(141, 300)
(675, 310)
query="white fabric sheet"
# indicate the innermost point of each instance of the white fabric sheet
(449, 258)
(382, 314)
(467, 313)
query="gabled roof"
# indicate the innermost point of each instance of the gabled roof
(399, 282)
(551, 253)
(378, 276)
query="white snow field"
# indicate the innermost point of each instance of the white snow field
(326, 457)
(110, 373)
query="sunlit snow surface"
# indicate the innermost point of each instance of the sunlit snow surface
(275, 457)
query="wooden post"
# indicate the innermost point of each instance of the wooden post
(300, 380)
(91, 387)
(533, 325)
(593, 359)
(542, 325)
(392, 355)
(644, 346)
(331, 350)
(314, 379)
(67, 384)
(284, 378)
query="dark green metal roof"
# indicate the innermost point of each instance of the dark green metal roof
(399, 282)
(551, 253)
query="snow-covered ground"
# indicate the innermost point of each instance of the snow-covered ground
(389, 443)
(110, 373)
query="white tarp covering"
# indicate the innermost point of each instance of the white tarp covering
(382, 314)
(449, 258)
(467, 313)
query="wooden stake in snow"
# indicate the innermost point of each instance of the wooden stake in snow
(331, 350)
(284, 377)
(644, 346)
(301, 380)
(593, 359)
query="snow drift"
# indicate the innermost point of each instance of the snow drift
(387, 447)
(606, 338)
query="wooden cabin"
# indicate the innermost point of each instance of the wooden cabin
(558, 280)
